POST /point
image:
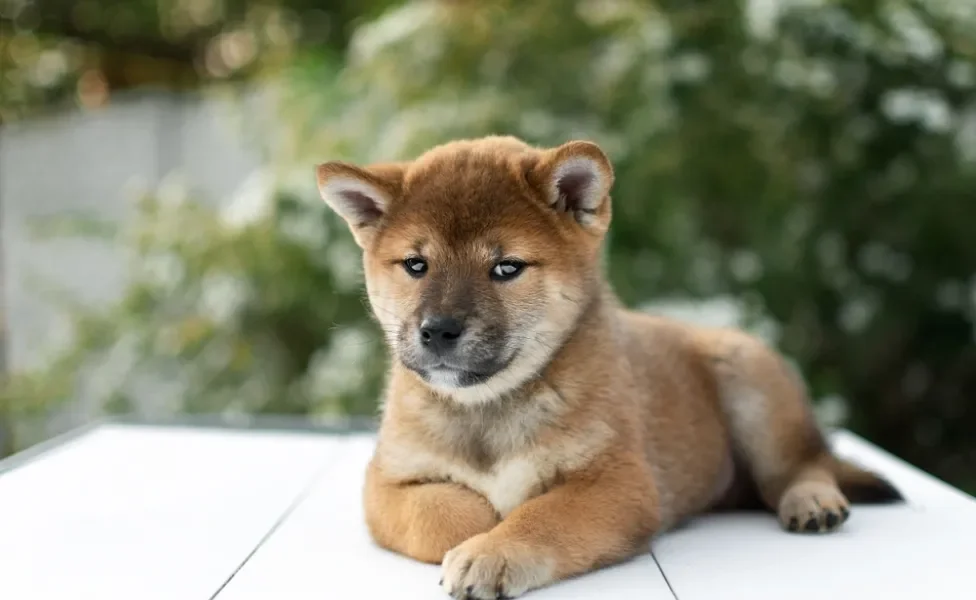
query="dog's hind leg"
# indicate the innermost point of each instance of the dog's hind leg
(773, 428)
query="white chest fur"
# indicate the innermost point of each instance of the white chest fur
(512, 479)
(507, 484)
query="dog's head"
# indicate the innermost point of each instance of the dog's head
(479, 256)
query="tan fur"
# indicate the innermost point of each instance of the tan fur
(604, 428)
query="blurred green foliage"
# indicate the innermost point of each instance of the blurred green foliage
(235, 311)
(58, 52)
(814, 161)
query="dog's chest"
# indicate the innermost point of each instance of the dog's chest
(505, 473)
(508, 454)
(514, 479)
(511, 479)
(506, 484)
(510, 483)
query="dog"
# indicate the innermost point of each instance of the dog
(534, 428)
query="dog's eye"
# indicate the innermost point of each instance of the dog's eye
(507, 269)
(415, 267)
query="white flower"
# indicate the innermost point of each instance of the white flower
(173, 190)
(308, 230)
(222, 296)
(345, 263)
(392, 28)
(163, 270)
(831, 411)
(252, 201)
(338, 369)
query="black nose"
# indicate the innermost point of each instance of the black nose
(440, 334)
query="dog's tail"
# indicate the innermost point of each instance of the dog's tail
(864, 487)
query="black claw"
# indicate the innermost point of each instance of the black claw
(811, 525)
(794, 524)
(832, 520)
(469, 592)
(844, 513)
(441, 582)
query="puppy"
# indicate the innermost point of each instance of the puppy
(533, 428)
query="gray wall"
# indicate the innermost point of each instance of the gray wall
(93, 162)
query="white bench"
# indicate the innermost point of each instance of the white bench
(179, 512)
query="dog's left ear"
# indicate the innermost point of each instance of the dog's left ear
(362, 196)
(576, 179)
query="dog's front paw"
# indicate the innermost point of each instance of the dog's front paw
(488, 567)
(813, 507)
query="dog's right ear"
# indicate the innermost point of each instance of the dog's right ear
(361, 196)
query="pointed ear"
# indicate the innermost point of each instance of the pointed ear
(361, 196)
(576, 178)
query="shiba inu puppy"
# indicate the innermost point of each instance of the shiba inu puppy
(533, 428)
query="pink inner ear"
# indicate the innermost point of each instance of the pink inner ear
(576, 186)
(574, 189)
(362, 206)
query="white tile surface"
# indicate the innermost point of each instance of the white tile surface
(920, 489)
(145, 513)
(925, 549)
(169, 513)
(323, 551)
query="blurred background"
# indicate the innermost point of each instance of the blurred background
(802, 168)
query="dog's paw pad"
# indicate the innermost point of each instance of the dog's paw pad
(813, 507)
(832, 520)
(485, 569)
(812, 524)
(794, 524)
